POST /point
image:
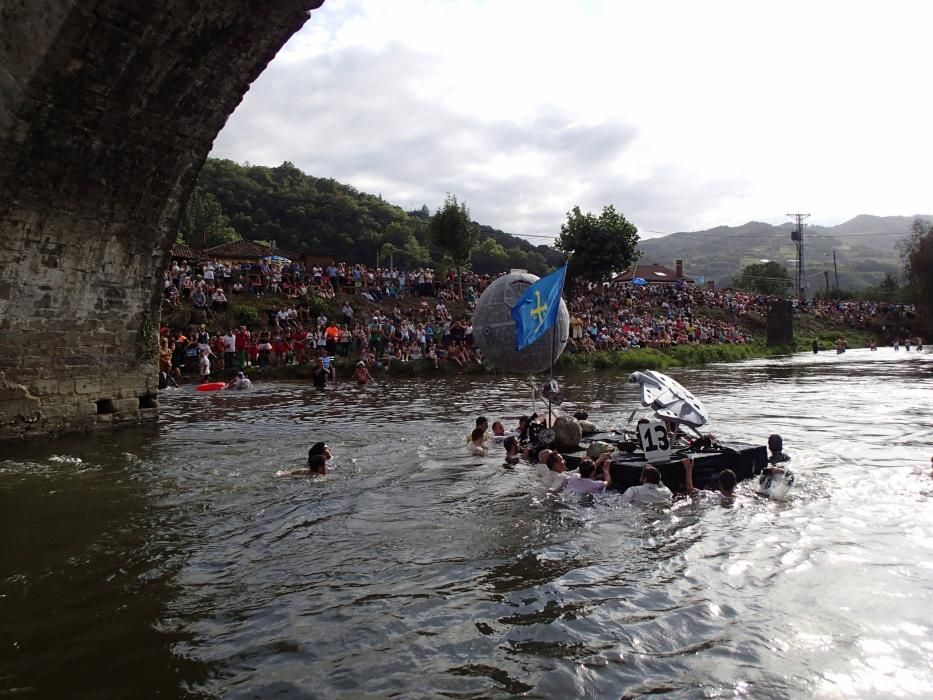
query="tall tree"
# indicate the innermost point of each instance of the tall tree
(454, 233)
(917, 252)
(598, 245)
(765, 278)
(204, 224)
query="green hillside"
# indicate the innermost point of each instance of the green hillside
(303, 213)
(864, 247)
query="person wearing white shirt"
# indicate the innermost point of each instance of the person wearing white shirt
(651, 490)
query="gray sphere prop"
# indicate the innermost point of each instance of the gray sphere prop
(568, 433)
(494, 329)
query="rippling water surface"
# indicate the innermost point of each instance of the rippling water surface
(170, 560)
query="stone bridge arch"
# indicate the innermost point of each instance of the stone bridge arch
(108, 109)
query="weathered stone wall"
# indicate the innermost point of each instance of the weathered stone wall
(107, 111)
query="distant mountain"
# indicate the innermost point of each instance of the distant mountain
(865, 250)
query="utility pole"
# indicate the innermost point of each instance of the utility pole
(800, 283)
(835, 269)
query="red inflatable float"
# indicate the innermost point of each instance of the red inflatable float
(211, 386)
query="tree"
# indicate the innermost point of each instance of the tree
(765, 278)
(454, 233)
(204, 224)
(489, 257)
(598, 246)
(917, 252)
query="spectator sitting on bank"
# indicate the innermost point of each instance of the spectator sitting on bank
(219, 300)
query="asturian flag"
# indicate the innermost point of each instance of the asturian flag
(537, 309)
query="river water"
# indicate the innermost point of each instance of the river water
(169, 560)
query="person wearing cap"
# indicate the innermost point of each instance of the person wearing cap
(361, 374)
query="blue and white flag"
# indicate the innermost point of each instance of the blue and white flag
(537, 310)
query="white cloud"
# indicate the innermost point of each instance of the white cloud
(684, 115)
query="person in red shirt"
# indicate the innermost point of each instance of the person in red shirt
(242, 342)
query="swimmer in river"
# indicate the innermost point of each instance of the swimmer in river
(317, 450)
(511, 450)
(317, 466)
(727, 481)
(478, 441)
(481, 424)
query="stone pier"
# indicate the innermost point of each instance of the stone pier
(108, 109)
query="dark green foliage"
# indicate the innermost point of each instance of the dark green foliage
(246, 315)
(307, 214)
(204, 224)
(454, 233)
(598, 246)
(765, 278)
(917, 251)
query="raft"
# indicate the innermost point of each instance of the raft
(211, 386)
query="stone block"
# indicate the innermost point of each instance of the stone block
(126, 405)
(45, 387)
(87, 385)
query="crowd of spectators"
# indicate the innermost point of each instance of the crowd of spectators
(391, 315)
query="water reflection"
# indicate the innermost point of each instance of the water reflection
(171, 560)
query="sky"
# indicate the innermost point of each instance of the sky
(683, 115)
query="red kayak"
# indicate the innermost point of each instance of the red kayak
(211, 386)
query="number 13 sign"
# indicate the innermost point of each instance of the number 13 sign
(654, 441)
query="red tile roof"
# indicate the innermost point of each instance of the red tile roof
(247, 250)
(185, 252)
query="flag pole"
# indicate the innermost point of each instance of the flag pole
(554, 331)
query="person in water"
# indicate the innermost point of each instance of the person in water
(776, 445)
(553, 477)
(319, 374)
(511, 450)
(317, 466)
(240, 381)
(318, 451)
(593, 477)
(478, 441)
(650, 491)
(481, 424)
(772, 473)
(727, 481)
(361, 374)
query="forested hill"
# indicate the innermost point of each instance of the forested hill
(303, 213)
(864, 247)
